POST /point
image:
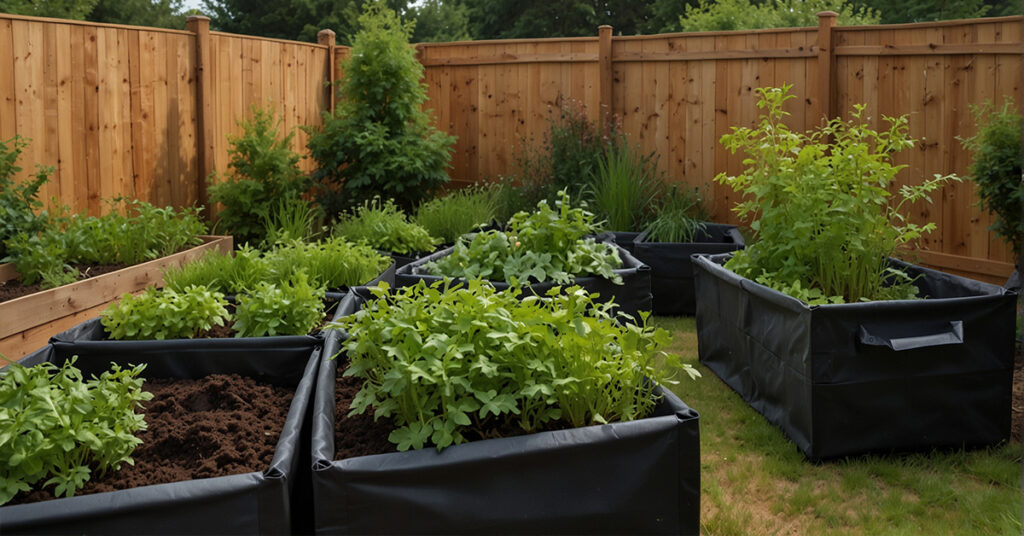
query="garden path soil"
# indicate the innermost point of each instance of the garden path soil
(14, 289)
(220, 425)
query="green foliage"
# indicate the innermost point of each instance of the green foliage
(447, 365)
(292, 218)
(61, 9)
(547, 245)
(292, 308)
(41, 258)
(825, 226)
(459, 212)
(385, 227)
(20, 208)
(679, 216)
(746, 15)
(900, 11)
(165, 314)
(502, 19)
(264, 172)
(624, 188)
(154, 13)
(379, 140)
(439, 21)
(996, 168)
(55, 424)
(220, 272)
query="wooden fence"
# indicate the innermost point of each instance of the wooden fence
(146, 112)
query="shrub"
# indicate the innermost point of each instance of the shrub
(55, 424)
(624, 187)
(291, 308)
(996, 168)
(379, 140)
(444, 375)
(385, 227)
(547, 245)
(165, 314)
(20, 208)
(825, 226)
(458, 212)
(264, 172)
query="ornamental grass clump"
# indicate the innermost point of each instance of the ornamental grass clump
(458, 212)
(819, 203)
(57, 426)
(545, 245)
(449, 364)
(384, 226)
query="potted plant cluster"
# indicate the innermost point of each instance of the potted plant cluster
(820, 330)
(546, 248)
(509, 415)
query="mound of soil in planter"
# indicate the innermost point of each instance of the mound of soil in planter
(14, 289)
(224, 424)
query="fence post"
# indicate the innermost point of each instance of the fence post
(327, 37)
(200, 26)
(604, 62)
(826, 62)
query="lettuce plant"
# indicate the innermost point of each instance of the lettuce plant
(292, 308)
(165, 314)
(449, 364)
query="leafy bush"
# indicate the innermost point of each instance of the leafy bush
(458, 212)
(448, 365)
(720, 15)
(385, 227)
(678, 218)
(547, 245)
(996, 168)
(55, 424)
(379, 140)
(264, 172)
(624, 187)
(20, 210)
(292, 308)
(825, 226)
(165, 314)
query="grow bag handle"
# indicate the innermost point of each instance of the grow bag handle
(953, 334)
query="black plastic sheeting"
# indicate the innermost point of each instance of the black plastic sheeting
(251, 503)
(639, 477)
(671, 269)
(864, 377)
(633, 296)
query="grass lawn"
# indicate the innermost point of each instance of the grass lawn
(754, 481)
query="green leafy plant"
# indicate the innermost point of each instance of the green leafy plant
(825, 226)
(55, 425)
(450, 364)
(264, 173)
(546, 245)
(41, 258)
(624, 188)
(292, 308)
(379, 140)
(384, 226)
(719, 15)
(20, 209)
(996, 168)
(165, 314)
(679, 216)
(457, 213)
(292, 218)
(220, 272)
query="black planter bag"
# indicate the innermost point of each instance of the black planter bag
(671, 269)
(864, 377)
(623, 239)
(252, 503)
(633, 296)
(633, 477)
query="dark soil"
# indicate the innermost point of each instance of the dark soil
(14, 289)
(227, 331)
(220, 425)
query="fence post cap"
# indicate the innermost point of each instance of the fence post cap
(197, 17)
(603, 26)
(824, 14)
(325, 33)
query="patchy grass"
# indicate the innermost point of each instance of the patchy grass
(755, 482)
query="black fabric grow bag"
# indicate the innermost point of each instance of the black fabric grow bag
(631, 477)
(251, 503)
(864, 377)
(671, 269)
(632, 296)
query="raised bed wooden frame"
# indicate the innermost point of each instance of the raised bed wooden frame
(26, 323)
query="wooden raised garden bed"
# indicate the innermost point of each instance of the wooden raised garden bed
(29, 321)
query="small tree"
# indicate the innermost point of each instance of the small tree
(747, 14)
(996, 168)
(379, 140)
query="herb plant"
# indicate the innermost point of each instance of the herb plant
(624, 188)
(165, 314)
(20, 209)
(825, 226)
(546, 245)
(385, 227)
(996, 168)
(220, 272)
(458, 212)
(675, 221)
(448, 365)
(54, 425)
(292, 308)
